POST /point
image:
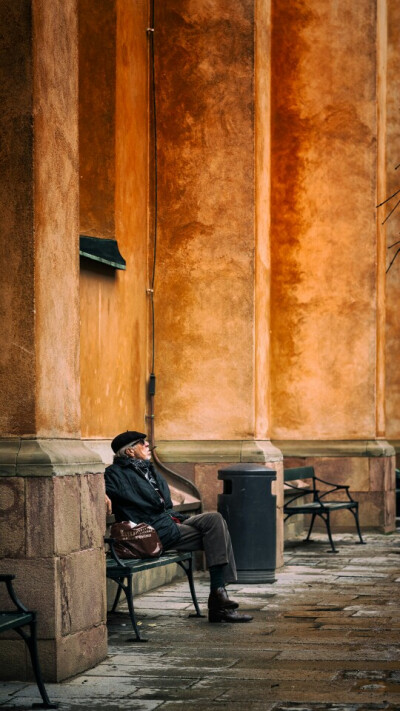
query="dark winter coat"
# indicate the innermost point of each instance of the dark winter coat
(135, 499)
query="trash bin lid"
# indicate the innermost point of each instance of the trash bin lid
(246, 468)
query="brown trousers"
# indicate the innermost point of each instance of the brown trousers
(208, 532)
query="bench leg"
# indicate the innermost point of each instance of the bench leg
(189, 572)
(355, 514)
(127, 588)
(311, 527)
(326, 518)
(117, 596)
(31, 643)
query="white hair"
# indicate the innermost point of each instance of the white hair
(122, 452)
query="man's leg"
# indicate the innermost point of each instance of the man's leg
(209, 532)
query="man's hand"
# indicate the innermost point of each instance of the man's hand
(108, 505)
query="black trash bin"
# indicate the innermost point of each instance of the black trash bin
(249, 508)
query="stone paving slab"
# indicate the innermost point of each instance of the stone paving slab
(221, 705)
(325, 637)
(102, 703)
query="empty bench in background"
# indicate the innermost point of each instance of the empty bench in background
(16, 620)
(122, 572)
(320, 505)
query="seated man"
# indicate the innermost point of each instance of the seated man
(139, 493)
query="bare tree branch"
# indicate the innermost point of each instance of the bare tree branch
(389, 198)
(391, 212)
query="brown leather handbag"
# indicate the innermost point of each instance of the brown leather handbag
(135, 541)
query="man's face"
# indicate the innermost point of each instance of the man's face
(140, 450)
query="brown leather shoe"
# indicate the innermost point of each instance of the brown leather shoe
(227, 616)
(219, 599)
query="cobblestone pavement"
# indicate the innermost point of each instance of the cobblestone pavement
(325, 636)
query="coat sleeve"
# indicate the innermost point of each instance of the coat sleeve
(115, 486)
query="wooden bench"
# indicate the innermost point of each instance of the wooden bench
(319, 505)
(16, 620)
(124, 570)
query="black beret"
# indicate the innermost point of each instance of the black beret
(125, 438)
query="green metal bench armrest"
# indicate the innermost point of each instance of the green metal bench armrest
(114, 555)
(335, 487)
(331, 483)
(300, 493)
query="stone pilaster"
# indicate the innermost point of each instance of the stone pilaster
(51, 537)
(51, 488)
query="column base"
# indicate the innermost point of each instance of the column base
(36, 456)
(52, 524)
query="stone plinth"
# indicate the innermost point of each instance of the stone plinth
(52, 521)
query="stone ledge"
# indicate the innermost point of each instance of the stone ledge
(335, 448)
(47, 457)
(214, 451)
(202, 451)
(396, 444)
(211, 451)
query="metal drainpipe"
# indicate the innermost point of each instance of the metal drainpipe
(152, 383)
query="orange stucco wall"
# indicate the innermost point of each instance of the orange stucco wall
(204, 293)
(56, 218)
(97, 58)
(323, 220)
(262, 72)
(17, 406)
(242, 209)
(393, 184)
(114, 303)
(40, 330)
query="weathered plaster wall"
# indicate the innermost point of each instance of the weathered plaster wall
(393, 184)
(113, 304)
(40, 359)
(97, 58)
(17, 362)
(205, 269)
(56, 192)
(262, 280)
(323, 315)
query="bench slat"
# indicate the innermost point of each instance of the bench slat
(138, 564)
(316, 506)
(298, 473)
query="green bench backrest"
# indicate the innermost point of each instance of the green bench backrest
(298, 473)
